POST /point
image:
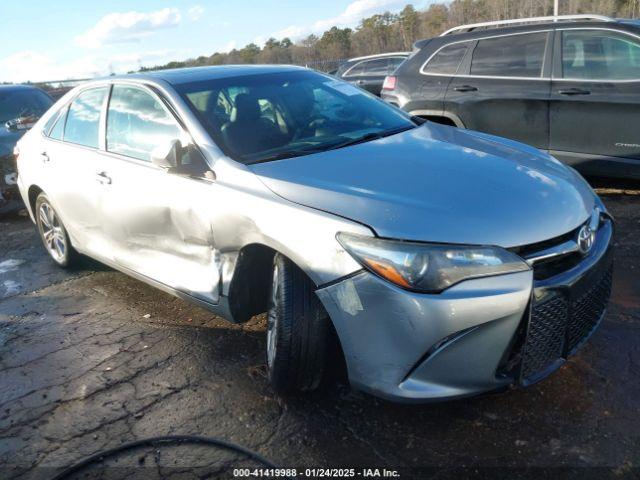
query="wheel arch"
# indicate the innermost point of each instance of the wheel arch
(439, 116)
(250, 287)
(32, 196)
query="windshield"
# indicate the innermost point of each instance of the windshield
(257, 118)
(16, 104)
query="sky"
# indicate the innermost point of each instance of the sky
(44, 40)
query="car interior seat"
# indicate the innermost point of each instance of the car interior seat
(247, 131)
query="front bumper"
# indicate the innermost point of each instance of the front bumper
(478, 336)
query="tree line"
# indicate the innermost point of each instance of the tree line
(387, 32)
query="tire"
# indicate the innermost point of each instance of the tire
(297, 331)
(53, 234)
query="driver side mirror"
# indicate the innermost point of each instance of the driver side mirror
(167, 155)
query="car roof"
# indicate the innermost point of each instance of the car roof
(178, 76)
(625, 25)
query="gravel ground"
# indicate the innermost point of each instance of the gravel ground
(92, 358)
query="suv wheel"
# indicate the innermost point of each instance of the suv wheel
(297, 330)
(53, 234)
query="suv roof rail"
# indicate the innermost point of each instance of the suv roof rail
(515, 21)
(388, 54)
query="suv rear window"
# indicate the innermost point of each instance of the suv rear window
(510, 56)
(447, 61)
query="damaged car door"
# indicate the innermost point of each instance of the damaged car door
(154, 213)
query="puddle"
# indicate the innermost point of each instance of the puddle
(10, 265)
(11, 288)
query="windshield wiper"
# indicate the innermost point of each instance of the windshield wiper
(371, 136)
(292, 153)
(323, 147)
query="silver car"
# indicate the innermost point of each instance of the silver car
(444, 263)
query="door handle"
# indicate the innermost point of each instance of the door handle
(574, 91)
(466, 88)
(103, 178)
(360, 82)
(44, 157)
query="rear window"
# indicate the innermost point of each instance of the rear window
(510, 56)
(22, 103)
(447, 61)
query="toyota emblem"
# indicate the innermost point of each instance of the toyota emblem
(586, 237)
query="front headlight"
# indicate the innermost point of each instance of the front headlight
(428, 268)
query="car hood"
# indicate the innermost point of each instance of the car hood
(439, 184)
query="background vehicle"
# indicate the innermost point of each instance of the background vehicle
(282, 190)
(569, 85)
(20, 108)
(369, 72)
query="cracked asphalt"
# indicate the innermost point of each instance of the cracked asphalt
(90, 359)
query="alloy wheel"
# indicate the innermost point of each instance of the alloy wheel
(52, 232)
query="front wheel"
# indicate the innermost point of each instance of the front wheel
(297, 330)
(53, 234)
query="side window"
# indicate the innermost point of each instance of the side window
(510, 56)
(355, 71)
(58, 127)
(600, 55)
(137, 123)
(83, 118)
(447, 61)
(376, 67)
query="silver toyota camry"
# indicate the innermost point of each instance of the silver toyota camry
(442, 262)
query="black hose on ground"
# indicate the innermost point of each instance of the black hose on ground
(154, 441)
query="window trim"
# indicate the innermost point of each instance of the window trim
(557, 64)
(495, 77)
(346, 73)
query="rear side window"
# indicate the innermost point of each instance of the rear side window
(137, 123)
(600, 55)
(58, 127)
(510, 56)
(369, 67)
(83, 118)
(447, 61)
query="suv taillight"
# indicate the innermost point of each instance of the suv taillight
(389, 83)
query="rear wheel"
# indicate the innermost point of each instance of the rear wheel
(53, 233)
(297, 330)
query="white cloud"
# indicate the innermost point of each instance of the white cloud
(34, 66)
(195, 12)
(228, 47)
(350, 17)
(128, 27)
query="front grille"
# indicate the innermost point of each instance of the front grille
(587, 310)
(545, 338)
(559, 324)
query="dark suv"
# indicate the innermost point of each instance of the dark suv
(369, 72)
(569, 85)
